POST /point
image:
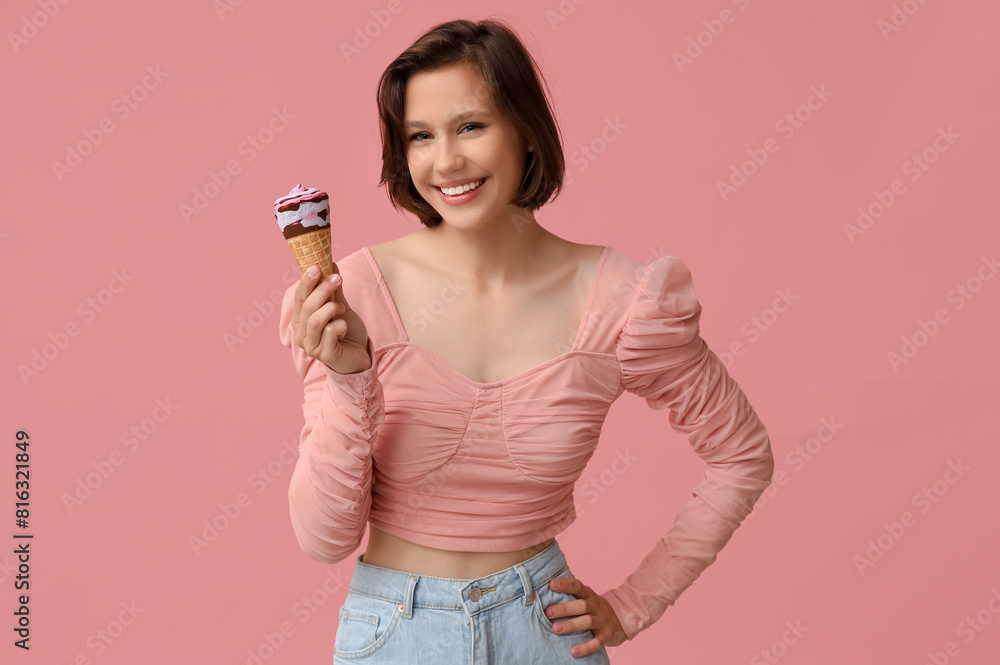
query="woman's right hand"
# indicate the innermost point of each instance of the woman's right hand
(326, 327)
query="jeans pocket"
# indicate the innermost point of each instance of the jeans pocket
(365, 625)
(546, 596)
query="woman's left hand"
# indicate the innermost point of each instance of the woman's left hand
(595, 614)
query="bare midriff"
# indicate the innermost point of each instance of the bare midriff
(389, 551)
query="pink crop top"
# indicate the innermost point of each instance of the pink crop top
(427, 454)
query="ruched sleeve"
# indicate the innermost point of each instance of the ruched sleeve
(664, 360)
(330, 492)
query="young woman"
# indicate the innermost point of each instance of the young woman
(456, 380)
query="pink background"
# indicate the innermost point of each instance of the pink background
(194, 282)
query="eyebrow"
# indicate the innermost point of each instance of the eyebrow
(461, 117)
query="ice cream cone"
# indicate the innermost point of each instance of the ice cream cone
(313, 248)
(304, 218)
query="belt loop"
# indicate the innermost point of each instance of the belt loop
(529, 595)
(411, 584)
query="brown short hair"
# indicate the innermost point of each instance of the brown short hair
(513, 79)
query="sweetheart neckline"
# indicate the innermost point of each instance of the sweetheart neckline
(391, 305)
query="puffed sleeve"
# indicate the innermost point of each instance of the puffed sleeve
(330, 492)
(664, 360)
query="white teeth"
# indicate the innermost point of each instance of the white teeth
(452, 191)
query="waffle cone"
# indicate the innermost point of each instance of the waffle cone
(313, 248)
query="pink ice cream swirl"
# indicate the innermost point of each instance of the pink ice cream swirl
(302, 210)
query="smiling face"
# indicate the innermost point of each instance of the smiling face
(455, 136)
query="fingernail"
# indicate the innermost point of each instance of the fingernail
(334, 278)
(555, 584)
(313, 271)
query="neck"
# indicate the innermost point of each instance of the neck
(495, 254)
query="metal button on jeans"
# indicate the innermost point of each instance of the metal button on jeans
(476, 593)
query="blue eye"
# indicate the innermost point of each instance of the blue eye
(474, 125)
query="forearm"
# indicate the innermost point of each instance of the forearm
(329, 494)
(718, 505)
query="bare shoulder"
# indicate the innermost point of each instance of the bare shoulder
(581, 257)
(395, 255)
(590, 255)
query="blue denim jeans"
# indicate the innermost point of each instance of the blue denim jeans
(392, 617)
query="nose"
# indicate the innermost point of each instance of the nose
(447, 156)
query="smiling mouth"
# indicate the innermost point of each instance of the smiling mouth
(456, 191)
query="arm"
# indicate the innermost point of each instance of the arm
(665, 360)
(330, 491)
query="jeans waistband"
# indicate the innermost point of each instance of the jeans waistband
(411, 590)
